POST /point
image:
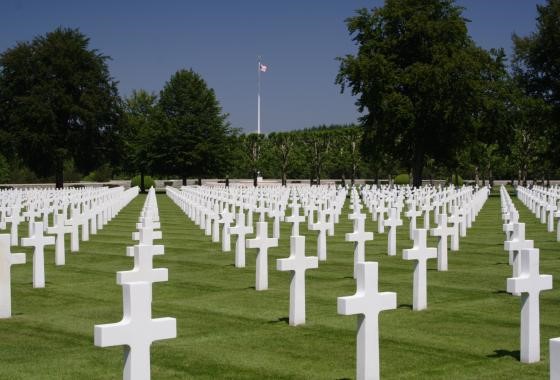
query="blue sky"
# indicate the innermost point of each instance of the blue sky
(148, 41)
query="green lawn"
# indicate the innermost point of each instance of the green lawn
(227, 330)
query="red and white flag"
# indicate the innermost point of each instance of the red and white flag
(262, 67)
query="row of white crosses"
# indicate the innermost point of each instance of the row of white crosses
(544, 203)
(137, 330)
(527, 283)
(38, 241)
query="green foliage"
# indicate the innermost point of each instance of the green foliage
(402, 179)
(417, 76)
(4, 169)
(148, 181)
(456, 180)
(70, 172)
(193, 134)
(101, 174)
(59, 103)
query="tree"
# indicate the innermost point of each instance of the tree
(417, 77)
(140, 113)
(318, 142)
(282, 144)
(193, 130)
(536, 67)
(60, 103)
(252, 147)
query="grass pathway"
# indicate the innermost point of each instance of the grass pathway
(227, 330)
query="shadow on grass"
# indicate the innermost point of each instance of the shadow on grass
(501, 264)
(405, 306)
(280, 320)
(500, 292)
(344, 378)
(350, 277)
(503, 353)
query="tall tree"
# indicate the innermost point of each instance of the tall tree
(194, 130)
(138, 135)
(536, 66)
(416, 76)
(60, 102)
(282, 144)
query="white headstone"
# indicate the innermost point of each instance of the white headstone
(297, 263)
(393, 222)
(136, 331)
(442, 232)
(554, 349)
(421, 253)
(262, 242)
(39, 241)
(59, 229)
(530, 283)
(321, 227)
(367, 303)
(295, 219)
(226, 220)
(359, 237)
(7, 259)
(240, 229)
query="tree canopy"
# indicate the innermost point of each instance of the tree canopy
(59, 103)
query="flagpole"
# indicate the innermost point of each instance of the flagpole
(259, 94)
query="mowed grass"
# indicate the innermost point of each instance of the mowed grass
(227, 330)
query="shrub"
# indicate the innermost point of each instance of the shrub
(452, 180)
(148, 181)
(402, 179)
(101, 174)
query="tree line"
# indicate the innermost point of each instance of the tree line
(434, 105)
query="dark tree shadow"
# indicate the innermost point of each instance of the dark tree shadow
(350, 277)
(280, 320)
(503, 353)
(405, 306)
(500, 292)
(229, 265)
(501, 264)
(250, 287)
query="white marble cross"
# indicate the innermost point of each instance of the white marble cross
(393, 222)
(515, 245)
(297, 263)
(215, 217)
(454, 220)
(146, 236)
(412, 214)
(554, 350)
(227, 218)
(443, 231)
(15, 220)
(59, 229)
(295, 219)
(530, 283)
(275, 213)
(240, 229)
(136, 331)
(262, 242)
(421, 253)
(367, 303)
(143, 265)
(7, 259)
(359, 237)
(39, 241)
(321, 227)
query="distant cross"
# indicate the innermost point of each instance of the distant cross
(508, 227)
(412, 214)
(143, 265)
(15, 220)
(515, 245)
(59, 229)
(381, 210)
(240, 229)
(421, 253)
(454, 220)
(295, 219)
(7, 259)
(215, 216)
(226, 220)
(38, 241)
(297, 263)
(443, 231)
(427, 208)
(393, 222)
(146, 236)
(275, 213)
(262, 242)
(359, 237)
(530, 283)
(367, 303)
(136, 331)
(321, 227)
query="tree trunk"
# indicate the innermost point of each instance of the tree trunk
(199, 181)
(255, 182)
(476, 177)
(490, 178)
(284, 179)
(59, 168)
(456, 179)
(184, 178)
(417, 168)
(142, 183)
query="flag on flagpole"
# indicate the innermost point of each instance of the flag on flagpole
(262, 67)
